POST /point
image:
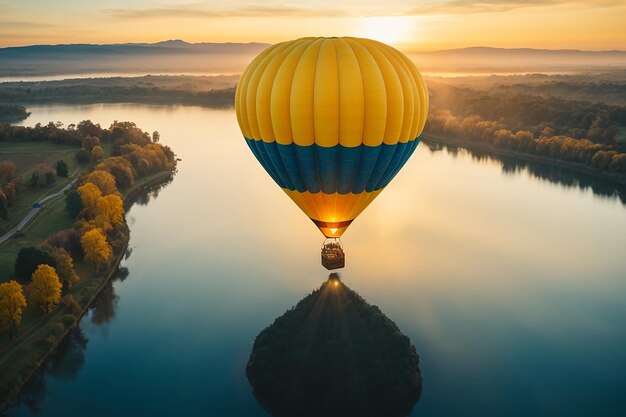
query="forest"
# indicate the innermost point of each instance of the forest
(213, 91)
(585, 132)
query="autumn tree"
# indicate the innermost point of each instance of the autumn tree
(10, 191)
(65, 268)
(89, 195)
(121, 169)
(42, 175)
(618, 163)
(89, 142)
(109, 212)
(103, 180)
(4, 205)
(45, 288)
(97, 153)
(68, 239)
(12, 303)
(70, 303)
(8, 170)
(96, 247)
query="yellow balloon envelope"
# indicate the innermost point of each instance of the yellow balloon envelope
(332, 121)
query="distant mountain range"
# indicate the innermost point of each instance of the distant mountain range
(519, 59)
(171, 47)
(162, 57)
(175, 56)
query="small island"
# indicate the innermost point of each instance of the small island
(64, 192)
(334, 354)
(11, 113)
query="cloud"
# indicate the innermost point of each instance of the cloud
(486, 6)
(194, 11)
(19, 24)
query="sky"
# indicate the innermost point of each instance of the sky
(408, 24)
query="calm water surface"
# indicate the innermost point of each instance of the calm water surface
(511, 287)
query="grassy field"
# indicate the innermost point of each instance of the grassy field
(52, 219)
(38, 146)
(26, 156)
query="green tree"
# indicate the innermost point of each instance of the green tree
(61, 168)
(73, 203)
(83, 156)
(28, 259)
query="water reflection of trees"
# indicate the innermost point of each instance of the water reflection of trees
(63, 364)
(554, 174)
(104, 307)
(68, 358)
(152, 192)
(334, 355)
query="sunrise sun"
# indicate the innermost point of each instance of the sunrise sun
(389, 29)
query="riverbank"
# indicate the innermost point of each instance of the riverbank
(491, 150)
(25, 355)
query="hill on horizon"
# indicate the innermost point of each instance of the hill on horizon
(175, 56)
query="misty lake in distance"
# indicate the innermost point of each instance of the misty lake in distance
(510, 287)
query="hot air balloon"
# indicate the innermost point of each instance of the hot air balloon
(332, 121)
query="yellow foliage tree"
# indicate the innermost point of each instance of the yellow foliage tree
(91, 142)
(65, 268)
(103, 180)
(45, 288)
(97, 153)
(83, 226)
(109, 212)
(12, 302)
(89, 195)
(96, 247)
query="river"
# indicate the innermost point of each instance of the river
(510, 286)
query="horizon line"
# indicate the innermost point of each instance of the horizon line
(268, 43)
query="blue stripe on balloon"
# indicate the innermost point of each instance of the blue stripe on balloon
(327, 168)
(382, 162)
(367, 162)
(288, 155)
(399, 150)
(308, 167)
(347, 170)
(279, 167)
(332, 169)
(262, 158)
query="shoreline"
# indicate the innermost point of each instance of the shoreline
(21, 378)
(490, 150)
(160, 100)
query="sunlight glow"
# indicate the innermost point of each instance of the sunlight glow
(333, 231)
(387, 29)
